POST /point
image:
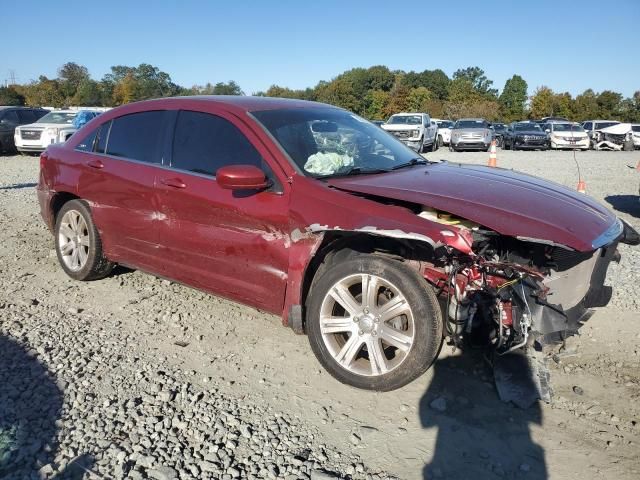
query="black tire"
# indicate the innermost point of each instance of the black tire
(424, 307)
(440, 141)
(97, 265)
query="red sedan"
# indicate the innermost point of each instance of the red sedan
(313, 213)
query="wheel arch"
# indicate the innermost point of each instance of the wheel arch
(336, 246)
(57, 202)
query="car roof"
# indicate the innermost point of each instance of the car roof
(616, 121)
(242, 102)
(408, 113)
(19, 107)
(472, 119)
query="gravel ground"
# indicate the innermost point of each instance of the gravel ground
(137, 377)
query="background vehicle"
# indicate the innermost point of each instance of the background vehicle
(636, 135)
(592, 126)
(567, 135)
(378, 123)
(525, 135)
(55, 127)
(313, 213)
(470, 134)
(444, 131)
(614, 137)
(12, 117)
(416, 130)
(498, 129)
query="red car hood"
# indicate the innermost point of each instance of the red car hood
(508, 202)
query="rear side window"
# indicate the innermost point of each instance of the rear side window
(11, 117)
(203, 143)
(86, 145)
(137, 136)
(587, 126)
(26, 116)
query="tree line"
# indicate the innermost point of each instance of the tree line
(375, 92)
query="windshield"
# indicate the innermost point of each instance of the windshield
(635, 128)
(527, 127)
(445, 124)
(601, 125)
(58, 117)
(566, 127)
(498, 127)
(471, 124)
(330, 142)
(405, 119)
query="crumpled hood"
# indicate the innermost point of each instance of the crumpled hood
(508, 202)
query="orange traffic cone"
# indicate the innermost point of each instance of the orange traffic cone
(582, 186)
(493, 162)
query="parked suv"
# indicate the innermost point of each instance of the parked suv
(444, 131)
(310, 212)
(525, 136)
(12, 117)
(416, 130)
(55, 127)
(471, 134)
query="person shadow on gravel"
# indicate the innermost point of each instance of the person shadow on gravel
(478, 435)
(30, 404)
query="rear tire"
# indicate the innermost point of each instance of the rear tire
(440, 141)
(78, 243)
(405, 338)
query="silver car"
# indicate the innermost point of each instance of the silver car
(470, 134)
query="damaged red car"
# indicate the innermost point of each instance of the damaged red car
(313, 213)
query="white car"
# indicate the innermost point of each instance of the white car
(54, 127)
(592, 126)
(636, 135)
(444, 131)
(567, 135)
(416, 130)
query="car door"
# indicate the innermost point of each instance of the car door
(231, 243)
(119, 167)
(8, 123)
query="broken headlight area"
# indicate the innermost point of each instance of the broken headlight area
(511, 292)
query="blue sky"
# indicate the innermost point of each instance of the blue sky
(566, 45)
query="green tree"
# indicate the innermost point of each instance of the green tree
(478, 79)
(45, 93)
(377, 102)
(513, 99)
(71, 76)
(586, 105)
(10, 96)
(436, 81)
(609, 103)
(230, 88)
(88, 94)
(542, 102)
(563, 105)
(138, 83)
(338, 92)
(418, 99)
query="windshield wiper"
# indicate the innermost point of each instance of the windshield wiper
(411, 163)
(354, 171)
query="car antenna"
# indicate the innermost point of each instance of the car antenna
(582, 187)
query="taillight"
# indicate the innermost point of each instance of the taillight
(43, 159)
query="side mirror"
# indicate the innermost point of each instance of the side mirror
(241, 177)
(547, 130)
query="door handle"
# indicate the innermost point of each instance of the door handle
(95, 164)
(173, 182)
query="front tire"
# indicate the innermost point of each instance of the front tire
(440, 141)
(78, 243)
(373, 323)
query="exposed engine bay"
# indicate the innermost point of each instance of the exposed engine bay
(509, 292)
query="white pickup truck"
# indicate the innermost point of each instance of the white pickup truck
(416, 130)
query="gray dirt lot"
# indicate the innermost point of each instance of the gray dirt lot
(91, 377)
